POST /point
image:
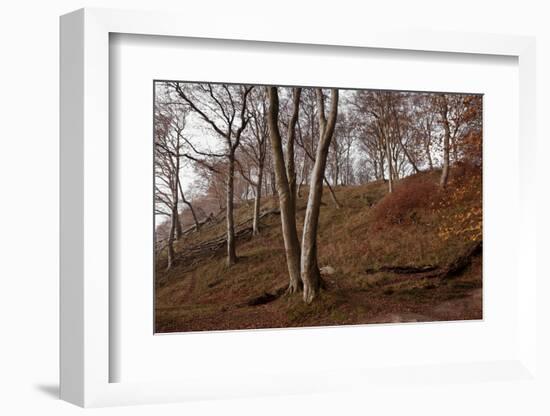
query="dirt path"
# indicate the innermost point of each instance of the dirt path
(459, 307)
(449, 310)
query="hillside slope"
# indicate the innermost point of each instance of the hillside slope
(385, 258)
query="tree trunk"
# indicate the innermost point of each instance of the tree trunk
(175, 184)
(390, 165)
(266, 181)
(454, 146)
(273, 183)
(428, 152)
(178, 226)
(332, 194)
(347, 180)
(302, 178)
(247, 191)
(291, 135)
(395, 163)
(407, 154)
(171, 235)
(429, 156)
(446, 142)
(231, 252)
(311, 277)
(382, 165)
(257, 202)
(336, 170)
(288, 212)
(186, 202)
(303, 172)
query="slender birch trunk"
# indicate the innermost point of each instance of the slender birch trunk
(446, 142)
(302, 178)
(173, 228)
(257, 202)
(390, 164)
(175, 184)
(170, 246)
(231, 251)
(428, 151)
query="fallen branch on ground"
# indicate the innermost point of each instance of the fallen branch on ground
(191, 256)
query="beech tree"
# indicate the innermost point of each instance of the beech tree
(307, 138)
(444, 112)
(252, 161)
(424, 127)
(376, 106)
(223, 108)
(452, 111)
(340, 154)
(169, 126)
(287, 199)
(291, 139)
(311, 276)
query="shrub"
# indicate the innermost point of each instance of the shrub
(403, 204)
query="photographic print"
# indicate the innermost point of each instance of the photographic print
(285, 206)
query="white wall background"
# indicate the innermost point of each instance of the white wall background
(29, 185)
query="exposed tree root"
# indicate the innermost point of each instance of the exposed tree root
(455, 267)
(294, 288)
(266, 297)
(402, 269)
(462, 261)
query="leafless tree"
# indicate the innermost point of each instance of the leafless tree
(224, 109)
(291, 139)
(423, 126)
(307, 138)
(340, 154)
(252, 161)
(452, 111)
(286, 198)
(169, 126)
(310, 273)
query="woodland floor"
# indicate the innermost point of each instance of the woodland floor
(417, 226)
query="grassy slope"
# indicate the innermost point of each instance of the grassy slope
(416, 225)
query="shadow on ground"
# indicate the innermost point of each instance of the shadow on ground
(51, 390)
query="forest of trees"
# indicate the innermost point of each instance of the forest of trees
(218, 146)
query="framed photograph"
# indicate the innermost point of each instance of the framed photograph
(283, 212)
(231, 258)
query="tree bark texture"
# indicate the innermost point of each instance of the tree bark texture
(257, 202)
(291, 135)
(186, 202)
(311, 276)
(231, 251)
(446, 142)
(288, 212)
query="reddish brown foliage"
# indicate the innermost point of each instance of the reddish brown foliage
(400, 206)
(461, 208)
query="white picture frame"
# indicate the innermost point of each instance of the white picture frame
(85, 302)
